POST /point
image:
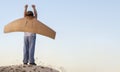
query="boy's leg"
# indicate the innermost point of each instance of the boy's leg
(26, 50)
(32, 40)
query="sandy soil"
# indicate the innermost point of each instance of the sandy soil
(26, 68)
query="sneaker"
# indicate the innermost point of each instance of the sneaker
(25, 63)
(33, 64)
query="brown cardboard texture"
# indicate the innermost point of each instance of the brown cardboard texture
(29, 25)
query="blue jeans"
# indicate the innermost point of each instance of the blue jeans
(29, 48)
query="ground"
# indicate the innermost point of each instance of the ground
(26, 68)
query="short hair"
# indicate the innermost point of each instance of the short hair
(29, 13)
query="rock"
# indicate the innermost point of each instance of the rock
(26, 68)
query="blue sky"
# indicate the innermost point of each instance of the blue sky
(87, 40)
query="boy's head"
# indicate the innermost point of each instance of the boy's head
(29, 13)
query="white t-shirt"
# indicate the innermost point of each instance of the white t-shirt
(29, 34)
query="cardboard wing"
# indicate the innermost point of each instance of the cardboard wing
(29, 25)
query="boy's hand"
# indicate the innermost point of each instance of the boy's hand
(33, 6)
(26, 6)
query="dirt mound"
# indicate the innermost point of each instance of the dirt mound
(26, 68)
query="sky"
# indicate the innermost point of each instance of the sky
(87, 34)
